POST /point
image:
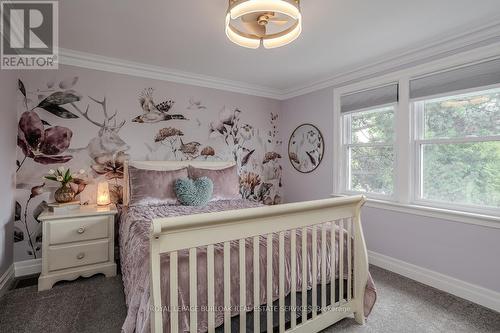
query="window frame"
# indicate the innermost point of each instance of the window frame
(346, 145)
(418, 141)
(404, 198)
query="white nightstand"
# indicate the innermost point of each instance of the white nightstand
(77, 243)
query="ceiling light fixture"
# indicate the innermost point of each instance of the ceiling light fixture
(272, 23)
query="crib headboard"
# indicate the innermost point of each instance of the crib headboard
(164, 166)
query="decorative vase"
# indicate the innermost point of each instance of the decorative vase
(64, 194)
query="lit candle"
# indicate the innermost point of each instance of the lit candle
(103, 194)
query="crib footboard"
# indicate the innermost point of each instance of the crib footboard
(330, 301)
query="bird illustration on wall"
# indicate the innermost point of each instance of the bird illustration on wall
(190, 149)
(154, 113)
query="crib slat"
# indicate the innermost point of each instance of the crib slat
(293, 281)
(256, 284)
(354, 268)
(210, 289)
(349, 259)
(341, 261)
(323, 266)
(269, 287)
(282, 281)
(314, 270)
(333, 265)
(193, 292)
(227, 287)
(174, 311)
(243, 287)
(156, 313)
(304, 275)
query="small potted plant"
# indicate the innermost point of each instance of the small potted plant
(65, 193)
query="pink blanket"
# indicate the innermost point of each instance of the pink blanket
(134, 250)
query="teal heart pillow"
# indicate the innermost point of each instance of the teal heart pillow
(194, 192)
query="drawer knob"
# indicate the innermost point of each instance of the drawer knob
(81, 230)
(80, 256)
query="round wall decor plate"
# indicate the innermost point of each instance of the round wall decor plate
(306, 148)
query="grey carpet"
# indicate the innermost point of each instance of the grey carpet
(97, 305)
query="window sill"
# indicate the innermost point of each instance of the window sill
(490, 221)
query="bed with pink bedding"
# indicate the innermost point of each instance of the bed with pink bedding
(134, 233)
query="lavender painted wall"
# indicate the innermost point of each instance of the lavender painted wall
(8, 127)
(314, 108)
(463, 251)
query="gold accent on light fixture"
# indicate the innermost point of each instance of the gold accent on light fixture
(272, 23)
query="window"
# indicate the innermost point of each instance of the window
(457, 145)
(369, 150)
(422, 138)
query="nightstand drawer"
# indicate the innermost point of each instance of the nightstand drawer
(62, 256)
(78, 229)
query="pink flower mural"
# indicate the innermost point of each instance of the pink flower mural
(44, 146)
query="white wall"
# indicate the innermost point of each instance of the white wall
(8, 130)
(463, 251)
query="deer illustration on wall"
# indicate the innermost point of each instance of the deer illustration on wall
(108, 142)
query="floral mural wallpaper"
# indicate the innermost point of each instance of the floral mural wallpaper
(93, 121)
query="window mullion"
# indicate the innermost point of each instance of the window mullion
(347, 162)
(402, 143)
(418, 134)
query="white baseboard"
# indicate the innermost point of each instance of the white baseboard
(6, 278)
(28, 267)
(471, 292)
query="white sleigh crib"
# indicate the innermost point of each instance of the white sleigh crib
(335, 300)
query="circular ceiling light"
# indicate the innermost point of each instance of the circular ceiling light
(273, 23)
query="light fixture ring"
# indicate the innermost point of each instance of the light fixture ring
(270, 36)
(239, 9)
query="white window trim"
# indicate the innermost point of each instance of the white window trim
(346, 145)
(404, 197)
(485, 220)
(419, 141)
(402, 139)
